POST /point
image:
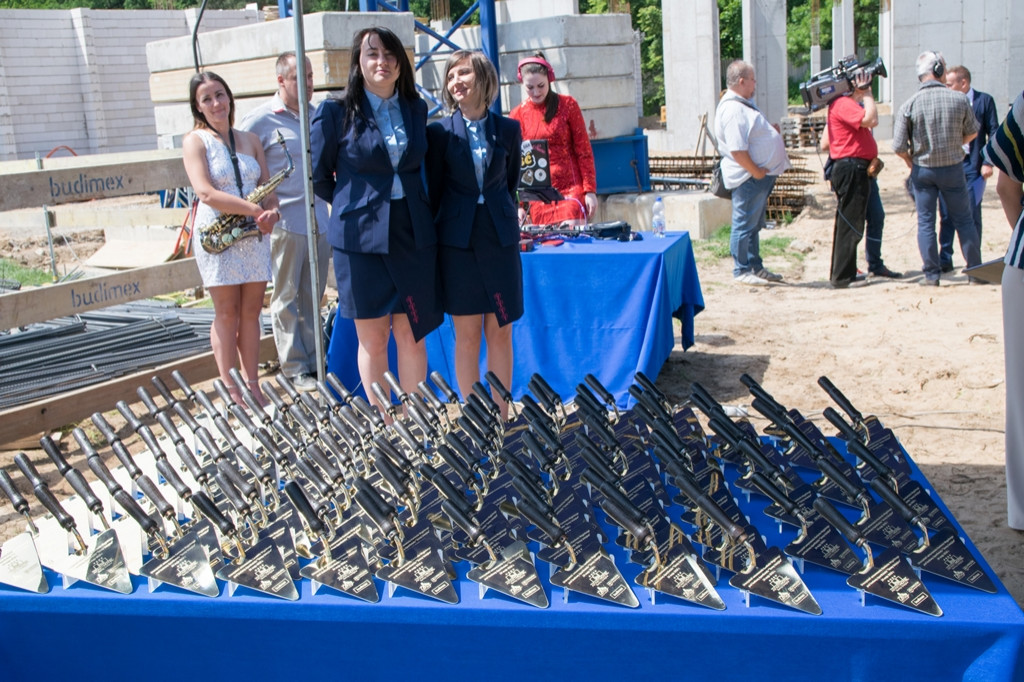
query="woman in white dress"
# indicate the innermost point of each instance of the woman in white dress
(224, 165)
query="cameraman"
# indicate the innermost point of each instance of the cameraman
(928, 134)
(852, 147)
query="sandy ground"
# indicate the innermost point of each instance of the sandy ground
(928, 362)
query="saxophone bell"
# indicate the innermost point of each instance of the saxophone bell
(230, 228)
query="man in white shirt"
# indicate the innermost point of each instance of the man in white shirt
(753, 156)
(292, 308)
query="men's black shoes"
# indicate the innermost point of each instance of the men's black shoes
(947, 267)
(886, 272)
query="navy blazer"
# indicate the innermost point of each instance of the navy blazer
(451, 177)
(352, 171)
(988, 122)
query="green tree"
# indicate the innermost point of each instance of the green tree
(730, 30)
(798, 36)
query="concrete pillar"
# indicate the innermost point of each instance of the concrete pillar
(885, 48)
(692, 69)
(843, 43)
(764, 46)
(815, 38)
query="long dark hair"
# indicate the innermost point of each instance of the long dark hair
(198, 119)
(551, 101)
(406, 84)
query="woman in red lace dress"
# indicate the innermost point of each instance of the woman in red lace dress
(546, 115)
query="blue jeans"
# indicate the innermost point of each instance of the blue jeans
(873, 229)
(749, 203)
(949, 183)
(946, 224)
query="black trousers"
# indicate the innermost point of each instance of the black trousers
(851, 184)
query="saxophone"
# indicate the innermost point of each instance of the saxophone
(230, 228)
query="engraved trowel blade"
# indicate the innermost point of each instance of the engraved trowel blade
(105, 565)
(884, 527)
(597, 576)
(264, 570)
(775, 579)
(347, 570)
(514, 574)
(206, 536)
(187, 567)
(425, 572)
(893, 578)
(682, 575)
(918, 499)
(824, 546)
(947, 556)
(19, 565)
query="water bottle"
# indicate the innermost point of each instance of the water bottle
(658, 218)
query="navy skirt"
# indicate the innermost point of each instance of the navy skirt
(485, 278)
(404, 280)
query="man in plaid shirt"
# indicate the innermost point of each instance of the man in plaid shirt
(929, 133)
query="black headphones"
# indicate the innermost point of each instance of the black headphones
(938, 68)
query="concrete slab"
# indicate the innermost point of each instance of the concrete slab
(587, 29)
(612, 122)
(588, 92)
(531, 9)
(612, 60)
(323, 30)
(254, 77)
(175, 120)
(696, 211)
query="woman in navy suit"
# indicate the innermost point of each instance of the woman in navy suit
(368, 150)
(473, 171)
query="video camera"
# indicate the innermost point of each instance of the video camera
(826, 86)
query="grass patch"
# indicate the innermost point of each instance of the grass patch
(180, 298)
(779, 246)
(27, 276)
(717, 245)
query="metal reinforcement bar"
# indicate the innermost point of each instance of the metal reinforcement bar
(48, 359)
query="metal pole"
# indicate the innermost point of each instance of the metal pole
(48, 221)
(313, 231)
(489, 36)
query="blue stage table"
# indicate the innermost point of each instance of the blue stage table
(88, 633)
(601, 307)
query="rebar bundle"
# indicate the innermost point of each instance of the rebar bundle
(54, 357)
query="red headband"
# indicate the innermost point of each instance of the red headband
(535, 60)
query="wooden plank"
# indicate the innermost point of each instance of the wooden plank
(73, 215)
(46, 303)
(122, 254)
(67, 185)
(253, 77)
(89, 160)
(45, 416)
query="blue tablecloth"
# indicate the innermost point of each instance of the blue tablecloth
(603, 307)
(85, 632)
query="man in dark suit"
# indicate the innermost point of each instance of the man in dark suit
(975, 169)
